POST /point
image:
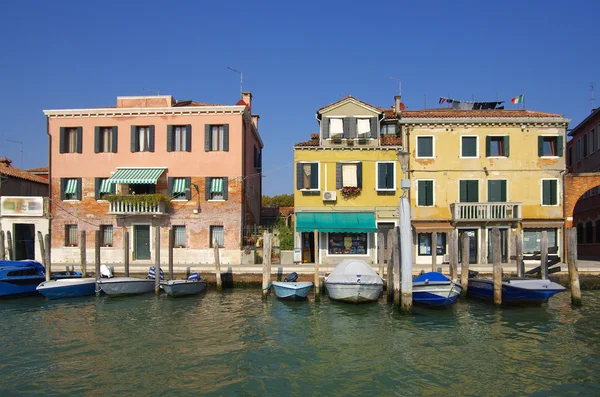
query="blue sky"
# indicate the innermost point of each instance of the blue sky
(295, 57)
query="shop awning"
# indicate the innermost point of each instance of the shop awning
(427, 227)
(179, 185)
(336, 222)
(136, 176)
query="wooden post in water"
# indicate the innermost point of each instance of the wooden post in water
(464, 271)
(217, 266)
(266, 264)
(126, 253)
(380, 252)
(519, 254)
(9, 243)
(497, 260)
(396, 263)
(42, 249)
(82, 254)
(97, 259)
(434, 252)
(157, 259)
(317, 278)
(2, 248)
(391, 236)
(454, 255)
(544, 256)
(171, 243)
(572, 263)
(47, 248)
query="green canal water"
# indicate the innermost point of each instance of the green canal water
(235, 344)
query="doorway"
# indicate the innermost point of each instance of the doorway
(24, 241)
(503, 245)
(384, 227)
(141, 242)
(308, 247)
(473, 248)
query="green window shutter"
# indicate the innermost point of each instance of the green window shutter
(429, 190)
(63, 186)
(299, 178)
(170, 138)
(390, 177)
(96, 139)
(63, 140)
(473, 191)
(553, 192)
(425, 147)
(381, 171)
(559, 146)
(463, 191)
(488, 146)
(207, 182)
(115, 140)
(314, 176)
(170, 181)
(225, 188)
(207, 131)
(226, 137)
(347, 127)
(134, 139)
(422, 199)
(546, 194)
(469, 146)
(503, 197)
(359, 175)
(97, 183)
(325, 127)
(79, 139)
(188, 188)
(188, 138)
(151, 138)
(540, 146)
(374, 129)
(338, 176)
(496, 191)
(79, 188)
(506, 146)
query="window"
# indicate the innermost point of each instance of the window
(570, 157)
(179, 188)
(70, 188)
(216, 234)
(105, 139)
(425, 147)
(549, 191)
(71, 139)
(589, 232)
(592, 142)
(179, 138)
(386, 176)
(497, 191)
(216, 188)
(532, 240)
(580, 233)
(142, 188)
(425, 244)
(106, 234)
(468, 146)
(585, 145)
(179, 236)
(257, 158)
(469, 191)
(347, 244)
(496, 146)
(551, 146)
(216, 138)
(597, 232)
(388, 129)
(103, 188)
(425, 193)
(349, 175)
(578, 151)
(307, 176)
(70, 235)
(142, 138)
(363, 127)
(336, 128)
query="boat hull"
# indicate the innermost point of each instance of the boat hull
(515, 291)
(292, 291)
(176, 288)
(126, 286)
(20, 286)
(355, 292)
(436, 294)
(67, 288)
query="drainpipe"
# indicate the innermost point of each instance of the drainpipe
(49, 199)
(565, 215)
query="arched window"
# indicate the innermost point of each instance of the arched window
(589, 232)
(580, 233)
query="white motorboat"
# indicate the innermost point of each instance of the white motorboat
(67, 288)
(126, 285)
(354, 281)
(192, 286)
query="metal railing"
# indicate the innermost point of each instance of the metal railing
(486, 211)
(139, 208)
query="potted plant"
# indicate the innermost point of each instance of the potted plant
(350, 192)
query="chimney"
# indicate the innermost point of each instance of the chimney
(247, 97)
(255, 118)
(6, 161)
(314, 137)
(397, 105)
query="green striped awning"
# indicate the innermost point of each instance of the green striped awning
(216, 185)
(71, 187)
(349, 222)
(179, 185)
(105, 186)
(136, 176)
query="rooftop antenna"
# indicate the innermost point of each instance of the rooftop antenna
(399, 84)
(592, 95)
(241, 79)
(20, 143)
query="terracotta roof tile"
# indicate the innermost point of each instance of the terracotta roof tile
(21, 174)
(269, 212)
(39, 169)
(286, 211)
(308, 143)
(451, 113)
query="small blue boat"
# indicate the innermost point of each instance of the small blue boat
(20, 277)
(292, 289)
(433, 289)
(515, 291)
(67, 288)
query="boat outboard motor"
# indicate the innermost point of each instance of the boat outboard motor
(290, 278)
(105, 271)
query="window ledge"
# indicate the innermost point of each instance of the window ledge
(385, 190)
(550, 157)
(497, 157)
(180, 200)
(216, 200)
(71, 201)
(425, 158)
(469, 157)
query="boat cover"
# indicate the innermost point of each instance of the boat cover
(152, 273)
(431, 276)
(27, 263)
(353, 271)
(193, 277)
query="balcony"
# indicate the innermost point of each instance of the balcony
(143, 204)
(485, 212)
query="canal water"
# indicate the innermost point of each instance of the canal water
(235, 344)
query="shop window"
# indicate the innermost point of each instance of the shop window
(532, 240)
(348, 244)
(425, 244)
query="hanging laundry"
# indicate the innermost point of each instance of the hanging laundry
(442, 100)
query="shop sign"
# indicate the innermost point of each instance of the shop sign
(21, 206)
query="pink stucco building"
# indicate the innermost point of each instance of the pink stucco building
(154, 162)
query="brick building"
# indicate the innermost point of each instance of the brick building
(154, 162)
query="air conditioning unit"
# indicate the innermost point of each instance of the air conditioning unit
(330, 196)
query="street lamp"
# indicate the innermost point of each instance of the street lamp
(406, 244)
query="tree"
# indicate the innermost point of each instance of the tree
(282, 200)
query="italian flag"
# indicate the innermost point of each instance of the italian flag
(518, 99)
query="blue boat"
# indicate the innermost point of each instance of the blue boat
(433, 289)
(67, 288)
(20, 277)
(515, 291)
(292, 289)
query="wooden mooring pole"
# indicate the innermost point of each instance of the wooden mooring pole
(454, 255)
(544, 256)
(396, 259)
(434, 252)
(42, 249)
(2, 248)
(519, 254)
(317, 278)
(48, 251)
(464, 271)
(157, 259)
(266, 263)
(97, 259)
(497, 260)
(380, 253)
(171, 243)
(83, 254)
(572, 263)
(217, 266)
(9, 243)
(126, 253)
(391, 236)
